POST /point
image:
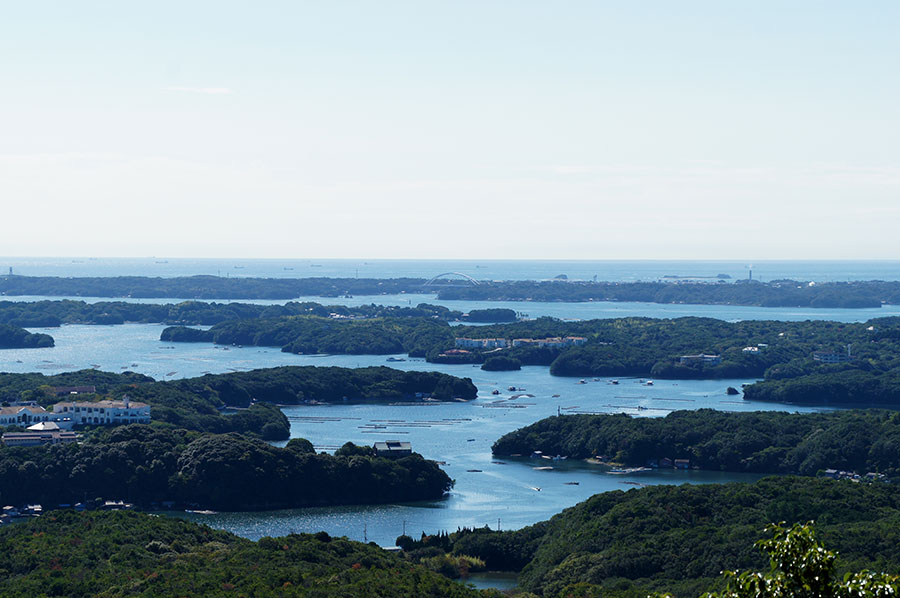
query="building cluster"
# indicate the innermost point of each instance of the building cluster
(701, 359)
(836, 474)
(830, 356)
(755, 349)
(393, 448)
(39, 434)
(52, 427)
(666, 463)
(502, 343)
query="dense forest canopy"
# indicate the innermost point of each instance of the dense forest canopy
(117, 554)
(626, 544)
(757, 442)
(148, 465)
(780, 293)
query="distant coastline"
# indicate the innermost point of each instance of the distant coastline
(778, 293)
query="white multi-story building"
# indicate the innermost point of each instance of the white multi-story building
(104, 412)
(553, 342)
(701, 358)
(482, 343)
(24, 415)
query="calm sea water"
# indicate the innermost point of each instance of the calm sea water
(459, 434)
(633, 270)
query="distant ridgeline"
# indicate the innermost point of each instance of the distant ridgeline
(34, 314)
(757, 442)
(679, 538)
(779, 293)
(197, 403)
(148, 466)
(14, 337)
(83, 555)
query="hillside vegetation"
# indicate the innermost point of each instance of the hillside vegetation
(118, 554)
(679, 538)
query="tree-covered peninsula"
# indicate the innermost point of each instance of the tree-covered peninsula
(117, 554)
(15, 337)
(678, 539)
(242, 401)
(754, 442)
(149, 465)
(44, 314)
(778, 293)
(314, 334)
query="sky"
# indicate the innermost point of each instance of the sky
(581, 129)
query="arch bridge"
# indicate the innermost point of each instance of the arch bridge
(441, 280)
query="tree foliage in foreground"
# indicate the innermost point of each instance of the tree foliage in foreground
(801, 567)
(626, 544)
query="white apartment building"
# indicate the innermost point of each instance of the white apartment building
(121, 412)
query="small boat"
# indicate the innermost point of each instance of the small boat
(395, 359)
(511, 389)
(470, 440)
(582, 382)
(613, 381)
(495, 392)
(201, 512)
(536, 488)
(474, 470)
(649, 383)
(571, 483)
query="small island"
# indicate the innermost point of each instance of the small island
(14, 337)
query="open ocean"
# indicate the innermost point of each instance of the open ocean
(625, 271)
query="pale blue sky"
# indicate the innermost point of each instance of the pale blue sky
(514, 129)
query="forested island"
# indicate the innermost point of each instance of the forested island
(818, 362)
(754, 442)
(778, 293)
(148, 466)
(15, 337)
(47, 313)
(242, 401)
(83, 555)
(627, 544)
(314, 334)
